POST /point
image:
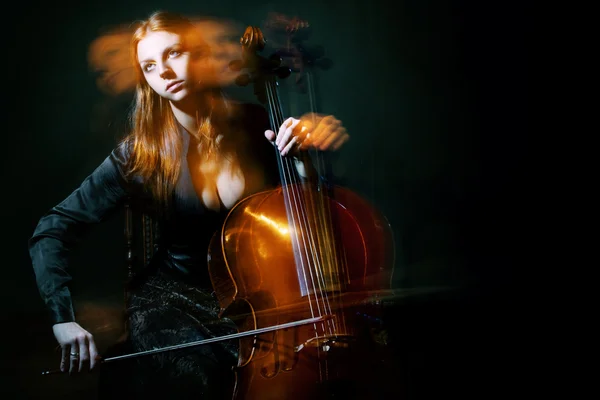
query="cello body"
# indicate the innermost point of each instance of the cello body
(301, 270)
(268, 269)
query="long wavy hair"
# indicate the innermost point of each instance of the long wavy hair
(155, 138)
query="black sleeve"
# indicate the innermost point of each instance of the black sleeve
(63, 226)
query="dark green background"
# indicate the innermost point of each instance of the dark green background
(434, 95)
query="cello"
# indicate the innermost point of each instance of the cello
(304, 251)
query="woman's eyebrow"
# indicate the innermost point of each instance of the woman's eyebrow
(167, 49)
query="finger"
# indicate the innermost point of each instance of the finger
(301, 126)
(306, 143)
(293, 142)
(64, 358)
(84, 354)
(327, 121)
(282, 129)
(321, 131)
(285, 132)
(330, 137)
(93, 352)
(309, 123)
(311, 119)
(270, 135)
(73, 357)
(301, 131)
(285, 138)
(338, 143)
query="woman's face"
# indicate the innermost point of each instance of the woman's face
(169, 65)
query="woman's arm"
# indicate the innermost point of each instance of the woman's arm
(64, 225)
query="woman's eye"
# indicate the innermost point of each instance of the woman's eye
(174, 53)
(148, 67)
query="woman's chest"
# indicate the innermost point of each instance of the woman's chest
(220, 181)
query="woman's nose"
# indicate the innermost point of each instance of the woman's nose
(166, 72)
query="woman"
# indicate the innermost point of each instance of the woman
(190, 157)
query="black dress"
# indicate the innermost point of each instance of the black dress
(171, 300)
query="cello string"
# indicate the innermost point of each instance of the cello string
(286, 171)
(312, 107)
(316, 267)
(287, 177)
(324, 222)
(300, 220)
(295, 196)
(313, 254)
(317, 249)
(309, 214)
(321, 251)
(323, 255)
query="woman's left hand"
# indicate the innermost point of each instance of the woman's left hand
(310, 131)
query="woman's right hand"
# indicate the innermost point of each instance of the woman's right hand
(78, 347)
